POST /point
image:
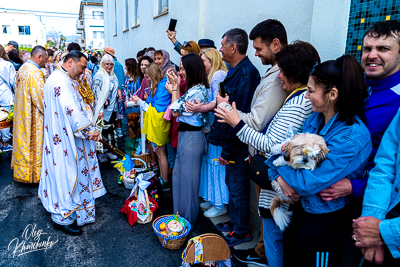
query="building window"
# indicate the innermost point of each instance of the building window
(98, 35)
(126, 23)
(98, 15)
(162, 6)
(115, 17)
(135, 15)
(24, 30)
(6, 29)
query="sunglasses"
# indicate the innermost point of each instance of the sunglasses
(185, 44)
(109, 64)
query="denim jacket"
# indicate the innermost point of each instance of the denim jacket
(240, 84)
(382, 192)
(350, 147)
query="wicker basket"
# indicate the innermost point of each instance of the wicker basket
(6, 124)
(171, 242)
(145, 157)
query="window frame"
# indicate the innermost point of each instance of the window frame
(24, 32)
(6, 27)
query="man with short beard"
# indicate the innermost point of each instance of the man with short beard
(70, 177)
(28, 118)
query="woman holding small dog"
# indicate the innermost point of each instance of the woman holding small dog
(295, 62)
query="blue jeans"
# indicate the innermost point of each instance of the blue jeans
(273, 237)
(171, 155)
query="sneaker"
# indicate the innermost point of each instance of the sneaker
(249, 256)
(7, 148)
(225, 226)
(102, 157)
(206, 205)
(234, 239)
(166, 186)
(215, 212)
(111, 156)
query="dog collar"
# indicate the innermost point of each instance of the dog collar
(282, 147)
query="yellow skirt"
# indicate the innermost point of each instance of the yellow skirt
(155, 127)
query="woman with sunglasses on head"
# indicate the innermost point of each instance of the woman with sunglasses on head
(192, 140)
(190, 47)
(316, 234)
(105, 89)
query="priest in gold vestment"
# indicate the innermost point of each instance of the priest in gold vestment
(28, 118)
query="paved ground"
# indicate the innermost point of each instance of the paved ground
(110, 241)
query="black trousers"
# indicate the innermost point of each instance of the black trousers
(314, 239)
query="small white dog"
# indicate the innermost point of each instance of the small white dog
(302, 151)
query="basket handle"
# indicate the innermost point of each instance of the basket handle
(147, 200)
(144, 163)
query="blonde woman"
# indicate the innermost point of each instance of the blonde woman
(212, 180)
(154, 125)
(105, 89)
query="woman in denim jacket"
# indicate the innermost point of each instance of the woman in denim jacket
(377, 231)
(337, 90)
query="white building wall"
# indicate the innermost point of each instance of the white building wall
(37, 29)
(322, 23)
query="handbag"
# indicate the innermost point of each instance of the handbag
(258, 171)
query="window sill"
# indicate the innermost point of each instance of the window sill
(133, 27)
(125, 30)
(160, 15)
(114, 35)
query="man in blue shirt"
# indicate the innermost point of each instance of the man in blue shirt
(240, 84)
(381, 61)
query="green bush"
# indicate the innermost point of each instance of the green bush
(25, 48)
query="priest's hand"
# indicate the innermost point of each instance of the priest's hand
(101, 115)
(95, 137)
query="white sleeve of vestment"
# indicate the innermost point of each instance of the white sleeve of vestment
(73, 106)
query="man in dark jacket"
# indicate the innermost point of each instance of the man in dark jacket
(240, 84)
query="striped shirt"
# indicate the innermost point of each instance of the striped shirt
(293, 113)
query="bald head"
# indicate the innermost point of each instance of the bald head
(39, 55)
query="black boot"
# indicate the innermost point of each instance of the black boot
(71, 229)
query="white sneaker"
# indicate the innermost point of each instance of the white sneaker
(111, 156)
(215, 212)
(206, 205)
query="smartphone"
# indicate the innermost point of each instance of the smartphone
(172, 25)
(222, 89)
(147, 91)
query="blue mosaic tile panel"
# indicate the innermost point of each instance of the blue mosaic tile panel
(363, 14)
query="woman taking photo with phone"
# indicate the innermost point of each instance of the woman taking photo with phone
(154, 125)
(192, 141)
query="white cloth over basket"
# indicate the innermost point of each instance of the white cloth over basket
(141, 198)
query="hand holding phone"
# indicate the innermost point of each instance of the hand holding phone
(222, 89)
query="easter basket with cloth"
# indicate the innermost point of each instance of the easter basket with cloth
(172, 238)
(139, 207)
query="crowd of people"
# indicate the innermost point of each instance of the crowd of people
(202, 143)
